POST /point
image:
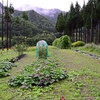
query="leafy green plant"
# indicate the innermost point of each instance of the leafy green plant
(65, 42)
(5, 66)
(90, 47)
(20, 48)
(78, 43)
(62, 42)
(39, 73)
(55, 42)
(42, 51)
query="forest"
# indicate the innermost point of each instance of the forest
(81, 23)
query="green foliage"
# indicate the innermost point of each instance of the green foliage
(55, 42)
(60, 23)
(17, 20)
(37, 20)
(44, 36)
(63, 42)
(78, 43)
(78, 17)
(39, 73)
(35, 24)
(20, 48)
(25, 16)
(92, 47)
(5, 66)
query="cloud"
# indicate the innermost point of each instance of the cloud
(48, 4)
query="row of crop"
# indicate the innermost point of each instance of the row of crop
(39, 73)
(5, 67)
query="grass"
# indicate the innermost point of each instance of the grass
(7, 54)
(83, 82)
(94, 49)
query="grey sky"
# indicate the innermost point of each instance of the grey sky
(48, 4)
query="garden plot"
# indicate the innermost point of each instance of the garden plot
(83, 80)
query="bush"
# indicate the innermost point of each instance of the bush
(20, 48)
(78, 43)
(55, 42)
(62, 42)
(39, 73)
(5, 66)
(91, 46)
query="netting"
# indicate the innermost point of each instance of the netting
(42, 49)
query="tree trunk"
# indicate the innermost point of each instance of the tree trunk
(76, 34)
(88, 35)
(92, 35)
(2, 27)
(7, 27)
(10, 36)
(72, 34)
(81, 34)
(84, 34)
(98, 31)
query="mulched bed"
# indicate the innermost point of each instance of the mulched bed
(94, 56)
(13, 60)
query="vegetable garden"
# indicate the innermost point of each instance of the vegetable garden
(65, 73)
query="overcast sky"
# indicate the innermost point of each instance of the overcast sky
(48, 4)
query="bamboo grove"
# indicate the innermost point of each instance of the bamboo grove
(81, 23)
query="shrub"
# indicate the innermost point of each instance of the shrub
(20, 48)
(55, 42)
(5, 66)
(90, 46)
(78, 43)
(65, 42)
(62, 42)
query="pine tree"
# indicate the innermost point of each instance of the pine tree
(77, 15)
(11, 11)
(60, 23)
(25, 17)
(2, 27)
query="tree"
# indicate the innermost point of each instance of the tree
(17, 21)
(71, 21)
(2, 27)
(11, 11)
(60, 23)
(77, 16)
(25, 17)
(7, 17)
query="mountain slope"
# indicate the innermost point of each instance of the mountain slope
(50, 14)
(17, 29)
(38, 20)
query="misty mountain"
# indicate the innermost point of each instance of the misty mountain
(50, 14)
(38, 20)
